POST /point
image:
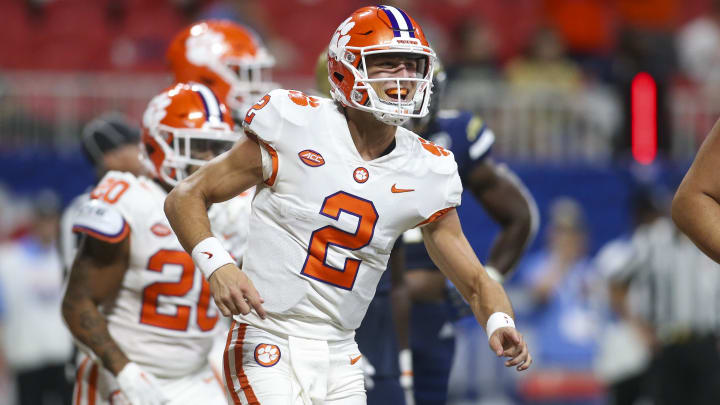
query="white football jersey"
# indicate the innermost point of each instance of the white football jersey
(325, 220)
(163, 317)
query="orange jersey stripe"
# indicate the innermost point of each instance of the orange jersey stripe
(105, 238)
(226, 366)
(242, 378)
(78, 381)
(434, 217)
(92, 384)
(274, 156)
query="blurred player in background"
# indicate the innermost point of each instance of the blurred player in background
(383, 335)
(34, 343)
(436, 303)
(232, 60)
(134, 301)
(225, 56)
(111, 143)
(338, 183)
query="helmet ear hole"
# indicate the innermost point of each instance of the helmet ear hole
(339, 77)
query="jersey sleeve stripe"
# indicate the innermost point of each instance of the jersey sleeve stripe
(434, 217)
(103, 236)
(273, 154)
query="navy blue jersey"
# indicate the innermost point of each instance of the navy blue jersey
(465, 134)
(376, 334)
(470, 140)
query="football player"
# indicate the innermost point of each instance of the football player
(338, 182)
(232, 60)
(110, 142)
(436, 303)
(140, 311)
(696, 205)
(225, 56)
(383, 335)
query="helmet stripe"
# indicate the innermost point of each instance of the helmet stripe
(399, 23)
(411, 28)
(211, 103)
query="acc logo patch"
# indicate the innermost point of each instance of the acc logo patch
(361, 175)
(267, 355)
(311, 158)
(160, 229)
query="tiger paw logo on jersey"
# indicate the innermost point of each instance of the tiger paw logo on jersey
(267, 355)
(361, 175)
(311, 158)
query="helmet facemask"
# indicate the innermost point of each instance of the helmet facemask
(401, 98)
(186, 149)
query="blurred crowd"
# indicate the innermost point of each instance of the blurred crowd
(578, 56)
(554, 75)
(628, 318)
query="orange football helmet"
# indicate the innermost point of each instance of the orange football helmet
(185, 125)
(376, 30)
(225, 56)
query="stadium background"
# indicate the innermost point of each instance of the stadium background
(553, 78)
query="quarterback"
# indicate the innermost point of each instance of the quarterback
(135, 303)
(338, 181)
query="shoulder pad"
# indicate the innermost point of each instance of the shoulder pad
(113, 186)
(278, 108)
(439, 159)
(101, 221)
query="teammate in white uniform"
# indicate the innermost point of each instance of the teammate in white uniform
(232, 60)
(135, 302)
(338, 182)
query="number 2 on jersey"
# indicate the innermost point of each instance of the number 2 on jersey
(321, 239)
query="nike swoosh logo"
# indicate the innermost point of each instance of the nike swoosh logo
(210, 255)
(400, 190)
(355, 360)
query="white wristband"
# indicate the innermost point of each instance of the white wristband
(209, 255)
(494, 274)
(405, 362)
(497, 321)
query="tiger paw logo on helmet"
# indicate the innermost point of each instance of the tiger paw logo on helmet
(367, 33)
(267, 355)
(341, 37)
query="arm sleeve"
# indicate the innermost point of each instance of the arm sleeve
(445, 176)
(264, 122)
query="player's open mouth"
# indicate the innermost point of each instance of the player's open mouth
(394, 94)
